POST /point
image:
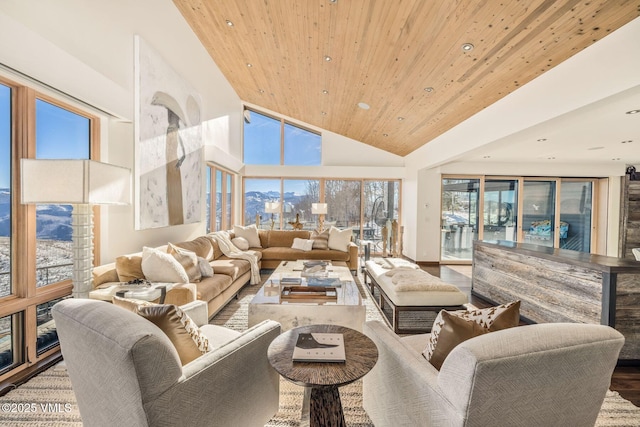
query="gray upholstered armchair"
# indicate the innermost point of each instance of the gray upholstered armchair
(125, 371)
(536, 375)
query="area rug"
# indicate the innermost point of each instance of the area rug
(52, 389)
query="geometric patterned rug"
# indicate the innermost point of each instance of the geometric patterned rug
(53, 388)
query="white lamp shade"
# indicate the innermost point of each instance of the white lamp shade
(74, 182)
(272, 207)
(319, 208)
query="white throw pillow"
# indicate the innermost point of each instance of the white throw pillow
(339, 239)
(250, 233)
(240, 243)
(159, 266)
(302, 244)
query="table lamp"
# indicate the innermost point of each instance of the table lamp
(319, 209)
(80, 183)
(272, 207)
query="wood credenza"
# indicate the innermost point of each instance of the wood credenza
(558, 285)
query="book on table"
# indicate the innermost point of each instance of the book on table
(319, 347)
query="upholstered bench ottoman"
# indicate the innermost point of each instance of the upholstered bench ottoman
(408, 296)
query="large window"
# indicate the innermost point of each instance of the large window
(60, 134)
(553, 212)
(371, 208)
(35, 240)
(220, 204)
(272, 141)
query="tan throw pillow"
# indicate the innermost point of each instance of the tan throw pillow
(159, 266)
(129, 267)
(188, 260)
(492, 318)
(320, 240)
(339, 239)
(454, 331)
(185, 335)
(250, 233)
(201, 246)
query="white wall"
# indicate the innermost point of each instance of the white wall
(85, 49)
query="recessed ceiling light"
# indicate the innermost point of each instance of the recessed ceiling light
(333, 1)
(486, 157)
(400, 119)
(363, 105)
(628, 141)
(327, 58)
(616, 159)
(633, 112)
(595, 148)
(467, 47)
(261, 90)
(229, 23)
(385, 134)
(249, 65)
(324, 113)
(428, 89)
(325, 91)
(542, 139)
(551, 158)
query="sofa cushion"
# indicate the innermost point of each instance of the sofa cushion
(288, 254)
(320, 240)
(188, 260)
(492, 318)
(185, 335)
(202, 246)
(454, 330)
(210, 287)
(159, 266)
(129, 267)
(250, 233)
(340, 239)
(232, 267)
(284, 238)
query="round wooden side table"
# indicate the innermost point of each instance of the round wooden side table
(321, 405)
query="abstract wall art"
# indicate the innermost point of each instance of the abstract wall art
(168, 150)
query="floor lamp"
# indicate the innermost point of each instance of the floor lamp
(319, 209)
(272, 207)
(80, 183)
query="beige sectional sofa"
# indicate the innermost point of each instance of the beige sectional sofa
(229, 274)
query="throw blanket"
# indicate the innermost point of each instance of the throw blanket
(406, 279)
(230, 250)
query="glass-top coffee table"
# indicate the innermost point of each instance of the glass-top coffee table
(344, 308)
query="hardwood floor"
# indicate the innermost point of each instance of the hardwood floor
(625, 379)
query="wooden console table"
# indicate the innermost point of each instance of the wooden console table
(559, 285)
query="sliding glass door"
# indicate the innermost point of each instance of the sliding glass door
(500, 209)
(459, 218)
(538, 212)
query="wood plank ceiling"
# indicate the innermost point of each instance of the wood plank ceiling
(403, 58)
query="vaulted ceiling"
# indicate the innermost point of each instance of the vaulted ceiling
(317, 60)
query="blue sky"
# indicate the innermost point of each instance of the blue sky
(60, 134)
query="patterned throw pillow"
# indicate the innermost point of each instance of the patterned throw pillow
(185, 335)
(454, 331)
(492, 318)
(320, 240)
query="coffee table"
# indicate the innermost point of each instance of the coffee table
(345, 310)
(321, 405)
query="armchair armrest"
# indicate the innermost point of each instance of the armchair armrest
(402, 389)
(237, 371)
(353, 256)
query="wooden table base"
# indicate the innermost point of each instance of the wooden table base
(321, 407)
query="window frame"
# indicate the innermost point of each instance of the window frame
(227, 178)
(25, 296)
